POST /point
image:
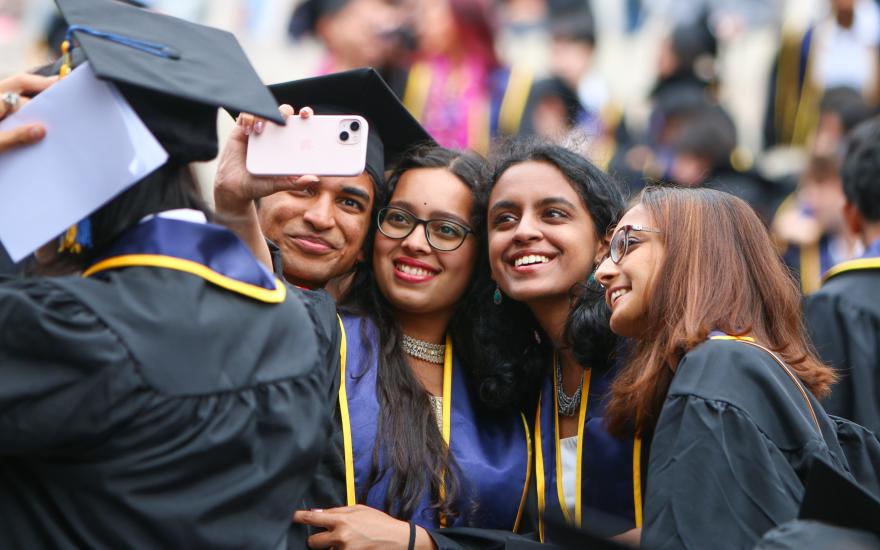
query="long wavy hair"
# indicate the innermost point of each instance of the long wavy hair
(513, 348)
(414, 454)
(720, 271)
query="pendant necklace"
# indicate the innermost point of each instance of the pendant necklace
(567, 405)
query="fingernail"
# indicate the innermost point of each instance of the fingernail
(259, 127)
(317, 510)
(35, 132)
(247, 130)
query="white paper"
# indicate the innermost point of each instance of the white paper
(95, 148)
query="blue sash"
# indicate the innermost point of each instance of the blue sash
(869, 260)
(609, 469)
(205, 250)
(493, 457)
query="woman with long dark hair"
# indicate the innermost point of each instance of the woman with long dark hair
(413, 441)
(721, 379)
(548, 213)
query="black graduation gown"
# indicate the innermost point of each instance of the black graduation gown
(815, 535)
(7, 267)
(731, 450)
(843, 319)
(148, 408)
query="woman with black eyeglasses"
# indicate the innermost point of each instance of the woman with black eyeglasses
(409, 448)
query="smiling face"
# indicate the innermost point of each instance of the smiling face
(541, 237)
(319, 226)
(413, 276)
(628, 283)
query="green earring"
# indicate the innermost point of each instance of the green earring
(496, 297)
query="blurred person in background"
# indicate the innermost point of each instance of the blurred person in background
(355, 33)
(686, 60)
(456, 87)
(809, 225)
(839, 50)
(843, 317)
(573, 61)
(574, 104)
(705, 154)
(553, 110)
(685, 83)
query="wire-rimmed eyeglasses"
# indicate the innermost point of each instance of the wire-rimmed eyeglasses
(441, 234)
(620, 241)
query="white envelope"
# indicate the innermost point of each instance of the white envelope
(95, 148)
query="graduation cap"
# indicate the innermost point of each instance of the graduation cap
(172, 72)
(393, 130)
(832, 498)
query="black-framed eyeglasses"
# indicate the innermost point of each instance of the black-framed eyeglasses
(441, 234)
(620, 241)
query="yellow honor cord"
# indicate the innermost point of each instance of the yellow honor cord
(852, 265)
(637, 480)
(350, 494)
(539, 471)
(582, 417)
(525, 492)
(447, 413)
(270, 296)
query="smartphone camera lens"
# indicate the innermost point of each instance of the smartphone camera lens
(343, 136)
(355, 126)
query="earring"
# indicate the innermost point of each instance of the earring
(496, 296)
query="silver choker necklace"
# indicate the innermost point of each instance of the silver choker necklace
(567, 405)
(426, 351)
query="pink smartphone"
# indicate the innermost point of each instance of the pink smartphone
(323, 145)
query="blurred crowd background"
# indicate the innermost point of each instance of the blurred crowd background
(751, 96)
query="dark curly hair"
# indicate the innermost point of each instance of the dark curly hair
(510, 350)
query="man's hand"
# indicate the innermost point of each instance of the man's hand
(235, 189)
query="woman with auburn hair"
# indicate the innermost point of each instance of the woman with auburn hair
(721, 380)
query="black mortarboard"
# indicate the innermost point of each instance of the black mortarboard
(831, 498)
(362, 92)
(173, 73)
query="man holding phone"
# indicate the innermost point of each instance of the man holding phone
(319, 223)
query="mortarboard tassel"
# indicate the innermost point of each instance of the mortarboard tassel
(79, 236)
